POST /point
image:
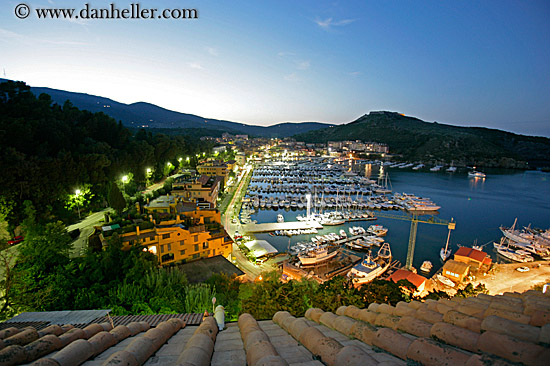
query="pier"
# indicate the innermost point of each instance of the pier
(273, 226)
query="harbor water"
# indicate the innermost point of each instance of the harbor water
(478, 206)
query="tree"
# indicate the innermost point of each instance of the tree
(7, 263)
(385, 292)
(41, 279)
(116, 199)
(336, 292)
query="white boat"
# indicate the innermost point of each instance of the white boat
(444, 254)
(343, 233)
(280, 218)
(444, 280)
(377, 230)
(436, 168)
(520, 256)
(451, 169)
(426, 266)
(316, 256)
(516, 235)
(368, 269)
(476, 174)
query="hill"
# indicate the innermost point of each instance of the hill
(417, 140)
(141, 114)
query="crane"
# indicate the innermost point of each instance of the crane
(415, 219)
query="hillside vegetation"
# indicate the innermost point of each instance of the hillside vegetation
(417, 140)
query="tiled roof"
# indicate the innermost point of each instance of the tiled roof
(60, 317)
(202, 269)
(403, 274)
(152, 320)
(455, 267)
(501, 330)
(474, 254)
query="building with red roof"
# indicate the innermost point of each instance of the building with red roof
(402, 274)
(472, 257)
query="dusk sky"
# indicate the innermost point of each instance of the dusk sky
(473, 63)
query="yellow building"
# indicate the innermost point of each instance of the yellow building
(455, 270)
(240, 158)
(162, 204)
(191, 235)
(214, 168)
(203, 188)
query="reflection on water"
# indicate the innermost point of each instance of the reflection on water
(477, 183)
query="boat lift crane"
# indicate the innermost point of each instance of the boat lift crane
(415, 219)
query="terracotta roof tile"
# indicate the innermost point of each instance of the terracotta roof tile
(402, 274)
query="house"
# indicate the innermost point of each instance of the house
(214, 168)
(240, 158)
(472, 257)
(402, 274)
(189, 234)
(162, 204)
(202, 188)
(455, 270)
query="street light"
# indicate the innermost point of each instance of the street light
(77, 193)
(124, 181)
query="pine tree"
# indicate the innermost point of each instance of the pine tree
(116, 199)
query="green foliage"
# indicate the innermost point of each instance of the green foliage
(385, 292)
(48, 151)
(471, 291)
(336, 292)
(116, 199)
(198, 298)
(436, 295)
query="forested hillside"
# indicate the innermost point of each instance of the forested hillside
(48, 151)
(435, 142)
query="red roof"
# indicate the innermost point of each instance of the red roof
(403, 274)
(471, 253)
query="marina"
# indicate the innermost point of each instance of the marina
(351, 186)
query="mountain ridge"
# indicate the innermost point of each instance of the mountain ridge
(145, 114)
(434, 142)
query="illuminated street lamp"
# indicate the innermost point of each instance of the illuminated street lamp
(124, 181)
(147, 175)
(77, 193)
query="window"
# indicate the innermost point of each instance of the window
(196, 238)
(169, 246)
(182, 252)
(196, 247)
(214, 252)
(195, 256)
(182, 243)
(162, 248)
(205, 245)
(166, 236)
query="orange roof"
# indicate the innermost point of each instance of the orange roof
(403, 274)
(471, 253)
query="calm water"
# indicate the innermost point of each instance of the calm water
(479, 207)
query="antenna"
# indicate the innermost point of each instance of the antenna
(4, 72)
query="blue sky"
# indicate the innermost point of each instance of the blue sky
(475, 63)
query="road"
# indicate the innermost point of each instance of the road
(86, 227)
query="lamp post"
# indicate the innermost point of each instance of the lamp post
(77, 193)
(124, 181)
(148, 175)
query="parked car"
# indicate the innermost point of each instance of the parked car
(18, 239)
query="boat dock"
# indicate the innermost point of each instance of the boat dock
(273, 226)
